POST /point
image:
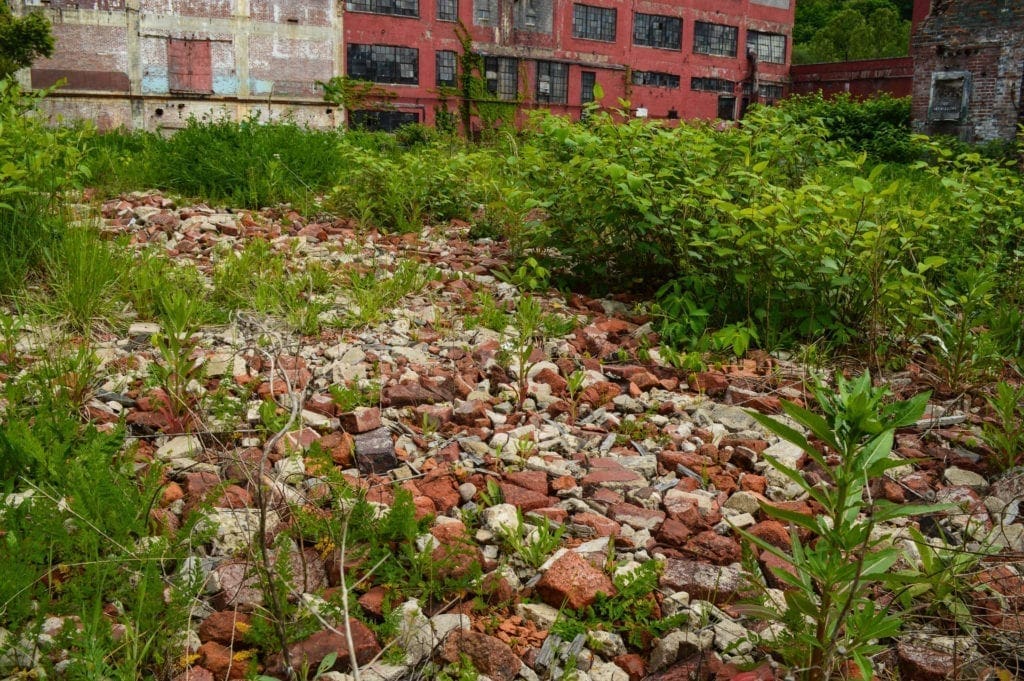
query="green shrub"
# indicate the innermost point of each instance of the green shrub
(39, 166)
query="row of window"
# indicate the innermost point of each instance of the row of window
(599, 23)
(400, 65)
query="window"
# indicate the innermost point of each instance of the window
(769, 47)
(588, 79)
(593, 23)
(384, 64)
(655, 30)
(446, 61)
(770, 93)
(711, 84)
(727, 107)
(552, 82)
(715, 39)
(502, 75)
(485, 12)
(655, 79)
(388, 121)
(447, 10)
(403, 8)
(532, 15)
(188, 67)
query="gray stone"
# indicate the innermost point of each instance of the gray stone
(180, 447)
(375, 451)
(415, 635)
(541, 614)
(679, 645)
(606, 643)
(958, 477)
(718, 584)
(785, 453)
(744, 502)
(607, 671)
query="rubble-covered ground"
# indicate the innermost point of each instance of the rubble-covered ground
(613, 472)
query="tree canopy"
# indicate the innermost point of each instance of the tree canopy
(22, 40)
(841, 30)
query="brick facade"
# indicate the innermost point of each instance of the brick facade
(861, 79)
(969, 68)
(154, 63)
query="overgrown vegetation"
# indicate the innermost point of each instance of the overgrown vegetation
(817, 224)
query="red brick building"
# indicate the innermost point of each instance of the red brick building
(153, 63)
(968, 68)
(681, 59)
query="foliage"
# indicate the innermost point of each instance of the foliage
(532, 543)
(84, 274)
(22, 40)
(829, 614)
(81, 541)
(632, 611)
(1005, 435)
(39, 166)
(840, 30)
(352, 93)
(880, 125)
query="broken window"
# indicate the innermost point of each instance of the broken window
(726, 107)
(711, 84)
(656, 30)
(655, 79)
(189, 69)
(532, 15)
(502, 76)
(769, 92)
(717, 39)
(950, 93)
(485, 12)
(552, 82)
(593, 23)
(769, 47)
(588, 79)
(447, 10)
(403, 8)
(446, 68)
(384, 63)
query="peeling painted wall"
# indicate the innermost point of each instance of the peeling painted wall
(264, 56)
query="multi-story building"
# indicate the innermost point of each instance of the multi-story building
(150, 63)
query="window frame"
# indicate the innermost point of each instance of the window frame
(660, 79)
(587, 89)
(590, 22)
(370, 60)
(557, 74)
(775, 56)
(647, 36)
(438, 67)
(709, 84)
(448, 10)
(712, 39)
(387, 7)
(506, 71)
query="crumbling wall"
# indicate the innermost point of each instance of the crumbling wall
(969, 52)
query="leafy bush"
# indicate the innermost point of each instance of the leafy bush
(879, 126)
(39, 165)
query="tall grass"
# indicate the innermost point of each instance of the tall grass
(39, 165)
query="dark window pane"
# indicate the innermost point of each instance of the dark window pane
(593, 23)
(656, 30)
(717, 39)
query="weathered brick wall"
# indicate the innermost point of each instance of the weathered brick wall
(984, 40)
(256, 55)
(859, 78)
